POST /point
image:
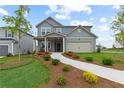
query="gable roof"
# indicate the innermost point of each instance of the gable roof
(72, 26)
(48, 22)
(79, 26)
(22, 32)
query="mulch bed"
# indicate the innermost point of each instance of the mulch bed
(115, 66)
(74, 79)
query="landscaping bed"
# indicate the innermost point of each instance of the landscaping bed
(44, 72)
(97, 58)
(73, 78)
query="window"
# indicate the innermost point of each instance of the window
(45, 30)
(48, 30)
(59, 30)
(9, 34)
(79, 30)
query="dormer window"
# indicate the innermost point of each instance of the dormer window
(45, 30)
(59, 30)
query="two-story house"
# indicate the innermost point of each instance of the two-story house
(55, 37)
(9, 43)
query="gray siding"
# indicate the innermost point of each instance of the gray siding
(26, 45)
(76, 33)
(2, 33)
(49, 23)
(45, 24)
(67, 30)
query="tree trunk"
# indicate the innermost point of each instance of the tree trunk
(123, 50)
(19, 48)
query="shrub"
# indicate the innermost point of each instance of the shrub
(107, 61)
(55, 61)
(61, 80)
(9, 55)
(66, 68)
(70, 53)
(39, 53)
(66, 53)
(28, 52)
(98, 50)
(90, 77)
(75, 56)
(89, 59)
(46, 57)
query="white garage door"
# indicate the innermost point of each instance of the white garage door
(3, 50)
(79, 47)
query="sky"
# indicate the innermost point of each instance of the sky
(99, 16)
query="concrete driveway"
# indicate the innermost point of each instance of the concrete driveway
(107, 73)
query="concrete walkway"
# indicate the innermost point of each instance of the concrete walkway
(107, 73)
(1, 56)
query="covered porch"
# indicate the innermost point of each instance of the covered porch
(52, 42)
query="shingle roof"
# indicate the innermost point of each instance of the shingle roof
(47, 19)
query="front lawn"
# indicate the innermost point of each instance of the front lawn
(98, 57)
(112, 50)
(6, 60)
(29, 75)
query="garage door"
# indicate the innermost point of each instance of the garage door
(3, 50)
(79, 47)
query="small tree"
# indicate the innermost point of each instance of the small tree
(18, 24)
(118, 27)
(99, 48)
(113, 46)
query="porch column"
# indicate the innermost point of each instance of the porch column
(34, 45)
(63, 44)
(45, 45)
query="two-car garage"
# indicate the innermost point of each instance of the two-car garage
(79, 47)
(3, 50)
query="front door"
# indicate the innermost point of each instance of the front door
(58, 47)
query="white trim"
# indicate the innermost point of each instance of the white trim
(12, 49)
(79, 37)
(45, 44)
(7, 45)
(63, 44)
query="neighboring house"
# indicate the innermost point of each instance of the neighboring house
(55, 37)
(9, 43)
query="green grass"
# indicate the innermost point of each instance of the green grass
(30, 75)
(112, 50)
(100, 56)
(6, 60)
